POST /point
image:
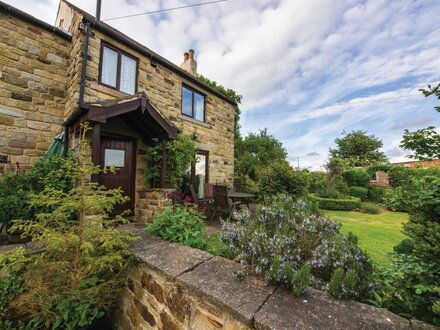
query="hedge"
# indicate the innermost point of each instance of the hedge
(359, 192)
(358, 178)
(376, 194)
(345, 204)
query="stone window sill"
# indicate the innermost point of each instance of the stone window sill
(195, 121)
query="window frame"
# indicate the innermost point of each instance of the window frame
(193, 167)
(193, 91)
(118, 70)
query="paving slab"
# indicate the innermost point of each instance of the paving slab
(214, 281)
(318, 310)
(170, 258)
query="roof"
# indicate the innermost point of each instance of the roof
(131, 43)
(137, 111)
(10, 10)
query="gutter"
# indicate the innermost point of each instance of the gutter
(85, 56)
(9, 10)
(82, 87)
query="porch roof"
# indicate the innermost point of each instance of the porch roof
(137, 111)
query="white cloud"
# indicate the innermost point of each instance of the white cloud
(298, 54)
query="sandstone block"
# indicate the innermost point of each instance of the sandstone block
(6, 120)
(11, 151)
(9, 79)
(21, 97)
(22, 144)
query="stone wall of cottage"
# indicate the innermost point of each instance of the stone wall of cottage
(33, 75)
(164, 89)
(74, 66)
(177, 287)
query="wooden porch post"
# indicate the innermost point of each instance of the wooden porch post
(163, 170)
(96, 146)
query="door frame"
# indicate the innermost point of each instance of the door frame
(133, 160)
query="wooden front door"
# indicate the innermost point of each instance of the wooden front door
(121, 154)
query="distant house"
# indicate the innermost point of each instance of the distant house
(53, 78)
(419, 163)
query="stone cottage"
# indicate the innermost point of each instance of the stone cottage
(53, 78)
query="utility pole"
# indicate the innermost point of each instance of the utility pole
(297, 159)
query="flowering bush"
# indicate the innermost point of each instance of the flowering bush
(287, 244)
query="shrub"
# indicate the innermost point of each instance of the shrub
(358, 178)
(282, 179)
(11, 286)
(396, 199)
(346, 204)
(181, 153)
(342, 187)
(181, 224)
(376, 194)
(343, 284)
(288, 245)
(410, 288)
(330, 193)
(16, 189)
(316, 181)
(81, 271)
(359, 192)
(370, 208)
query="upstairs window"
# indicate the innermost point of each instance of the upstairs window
(193, 103)
(118, 70)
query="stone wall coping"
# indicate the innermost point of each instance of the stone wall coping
(256, 305)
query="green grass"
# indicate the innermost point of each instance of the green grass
(377, 233)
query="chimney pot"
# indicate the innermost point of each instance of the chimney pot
(189, 64)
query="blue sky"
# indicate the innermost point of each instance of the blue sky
(307, 70)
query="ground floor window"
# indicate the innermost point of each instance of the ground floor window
(199, 173)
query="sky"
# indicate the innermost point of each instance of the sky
(308, 70)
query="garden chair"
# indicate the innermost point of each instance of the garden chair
(202, 204)
(175, 197)
(209, 192)
(222, 202)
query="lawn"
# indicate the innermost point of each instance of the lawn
(377, 233)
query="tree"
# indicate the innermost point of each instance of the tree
(425, 142)
(256, 151)
(80, 262)
(359, 149)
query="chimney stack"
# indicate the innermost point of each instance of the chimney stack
(189, 64)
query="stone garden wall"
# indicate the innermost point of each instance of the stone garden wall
(177, 287)
(150, 201)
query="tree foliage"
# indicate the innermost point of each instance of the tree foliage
(79, 266)
(425, 142)
(181, 153)
(359, 149)
(257, 151)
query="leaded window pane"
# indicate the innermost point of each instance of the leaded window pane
(128, 75)
(109, 69)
